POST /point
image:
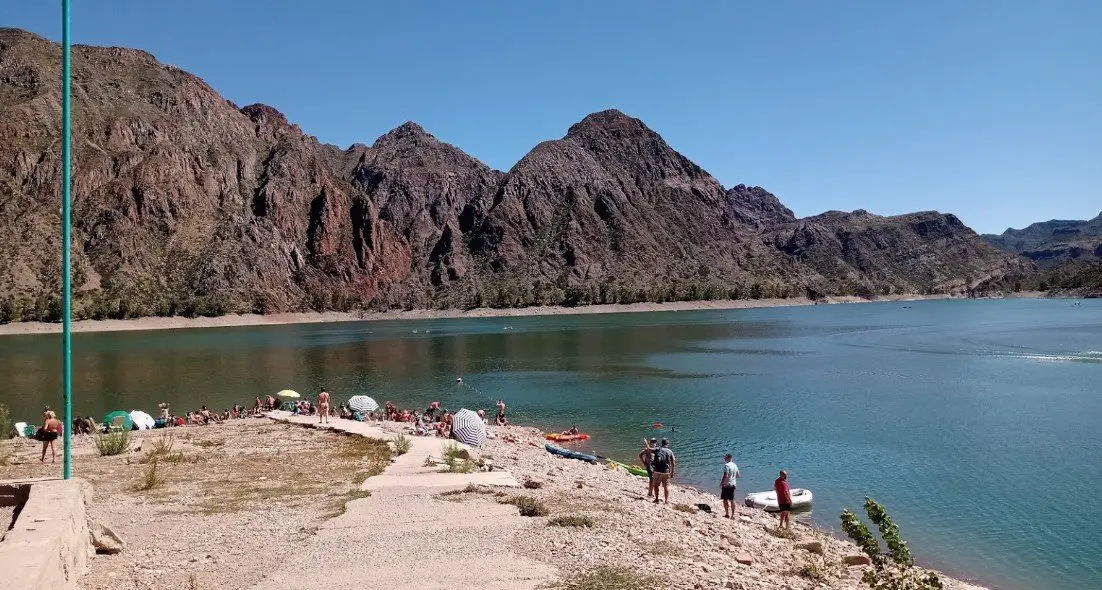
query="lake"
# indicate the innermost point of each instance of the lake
(977, 423)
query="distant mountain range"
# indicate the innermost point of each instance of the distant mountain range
(1068, 254)
(1051, 243)
(187, 204)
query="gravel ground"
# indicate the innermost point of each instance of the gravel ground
(236, 497)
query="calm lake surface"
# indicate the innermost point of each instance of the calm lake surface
(977, 423)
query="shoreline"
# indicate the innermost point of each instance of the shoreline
(696, 548)
(282, 319)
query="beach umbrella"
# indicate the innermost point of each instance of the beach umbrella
(142, 420)
(468, 428)
(288, 393)
(120, 419)
(363, 403)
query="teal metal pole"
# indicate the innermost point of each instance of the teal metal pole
(66, 181)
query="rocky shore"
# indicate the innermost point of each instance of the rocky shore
(247, 488)
(239, 320)
(679, 545)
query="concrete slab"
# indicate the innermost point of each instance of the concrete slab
(406, 536)
(49, 544)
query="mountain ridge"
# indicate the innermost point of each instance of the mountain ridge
(185, 203)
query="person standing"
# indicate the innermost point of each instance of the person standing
(727, 485)
(645, 457)
(784, 498)
(665, 467)
(323, 406)
(51, 429)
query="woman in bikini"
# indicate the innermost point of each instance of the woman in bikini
(49, 433)
(323, 406)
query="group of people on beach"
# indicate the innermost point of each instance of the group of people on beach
(661, 465)
(432, 421)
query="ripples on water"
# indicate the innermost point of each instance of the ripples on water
(975, 422)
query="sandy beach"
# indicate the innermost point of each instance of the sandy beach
(234, 320)
(260, 504)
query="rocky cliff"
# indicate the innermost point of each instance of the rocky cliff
(185, 203)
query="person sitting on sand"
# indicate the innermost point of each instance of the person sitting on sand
(49, 432)
(323, 406)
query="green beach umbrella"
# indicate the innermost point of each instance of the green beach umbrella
(120, 418)
(288, 393)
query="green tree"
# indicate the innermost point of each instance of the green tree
(893, 569)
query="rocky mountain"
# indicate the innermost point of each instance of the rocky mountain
(185, 203)
(1052, 243)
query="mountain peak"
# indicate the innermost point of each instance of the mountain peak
(609, 122)
(261, 113)
(405, 132)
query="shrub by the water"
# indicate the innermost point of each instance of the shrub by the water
(892, 569)
(115, 442)
(7, 429)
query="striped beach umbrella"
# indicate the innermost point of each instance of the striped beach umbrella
(468, 428)
(363, 403)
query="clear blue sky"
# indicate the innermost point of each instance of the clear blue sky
(991, 109)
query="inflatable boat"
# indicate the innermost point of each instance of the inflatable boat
(570, 454)
(767, 501)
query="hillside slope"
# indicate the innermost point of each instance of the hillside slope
(185, 203)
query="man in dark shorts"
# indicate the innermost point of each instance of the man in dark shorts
(784, 498)
(645, 458)
(727, 486)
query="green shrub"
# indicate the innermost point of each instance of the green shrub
(527, 505)
(7, 429)
(892, 569)
(402, 444)
(149, 479)
(574, 520)
(605, 577)
(782, 533)
(453, 460)
(113, 443)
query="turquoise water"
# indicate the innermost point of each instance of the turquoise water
(976, 422)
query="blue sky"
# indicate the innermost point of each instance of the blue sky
(990, 109)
